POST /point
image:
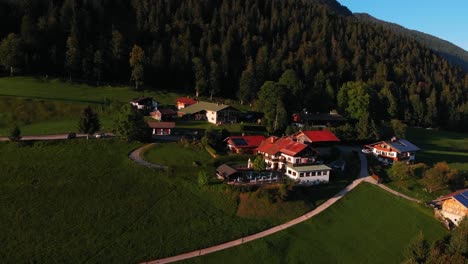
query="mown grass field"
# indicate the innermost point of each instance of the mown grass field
(54, 89)
(368, 225)
(54, 106)
(436, 146)
(85, 201)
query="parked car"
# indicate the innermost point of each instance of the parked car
(100, 135)
(71, 135)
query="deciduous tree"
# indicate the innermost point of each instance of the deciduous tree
(89, 122)
(130, 125)
(11, 52)
(137, 62)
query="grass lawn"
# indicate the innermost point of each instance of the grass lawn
(85, 201)
(54, 106)
(54, 89)
(436, 146)
(368, 225)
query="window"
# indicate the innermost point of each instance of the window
(308, 174)
(294, 173)
(301, 174)
(289, 159)
(212, 119)
(289, 172)
(319, 173)
(314, 173)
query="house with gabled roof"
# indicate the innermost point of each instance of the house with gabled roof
(163, 114)
(454, 206)
(144, 103)
(390, 151)
(316, 137)
(244, 144)
(298, 161)
(211, 112)
(183, 102)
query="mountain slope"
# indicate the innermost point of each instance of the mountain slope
(447, 50)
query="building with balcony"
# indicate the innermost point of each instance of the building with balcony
(298, 161)
(396, 149)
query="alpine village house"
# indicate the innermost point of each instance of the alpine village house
(390, 151)
(297, 160)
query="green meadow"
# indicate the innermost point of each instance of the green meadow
(436, 146)
(368, 225)
(85, 201)
(52, 106)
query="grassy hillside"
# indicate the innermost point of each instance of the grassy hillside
(77, 201)
(53, 106)
(368, 225)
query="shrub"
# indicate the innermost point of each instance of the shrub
(202, 178)
(439, 176)
(15, 133)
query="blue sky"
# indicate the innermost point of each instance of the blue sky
(444, 19)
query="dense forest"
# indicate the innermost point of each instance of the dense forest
(280, 55)
(447, 50)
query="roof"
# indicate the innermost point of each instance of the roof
(400, 145)
(286, 145)
(293, 148)
(144, 98)
(203, 106)
(186, 100)
(226, 170)
(320, 136)
(245, 141)
(311, 168)
(161, 124)
(167, 111)
(461, 196)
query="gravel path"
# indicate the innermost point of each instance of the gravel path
(136, 156)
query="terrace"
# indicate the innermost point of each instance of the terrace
(247, 176)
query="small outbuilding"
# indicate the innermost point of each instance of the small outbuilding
(226, 172)
(244, 144)
(162, 128)
(183, 102)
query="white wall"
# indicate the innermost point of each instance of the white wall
(453, 217)
(211, 116)
(308, 180)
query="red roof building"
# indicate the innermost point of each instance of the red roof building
(315, 136)
(244, 144)
(297, 160)
(183, 102)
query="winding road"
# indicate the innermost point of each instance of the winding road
(136, 157)
(363, 176)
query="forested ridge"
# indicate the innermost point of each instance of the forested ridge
(315, 55)
(447, 50)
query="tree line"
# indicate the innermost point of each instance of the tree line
(239, 49)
